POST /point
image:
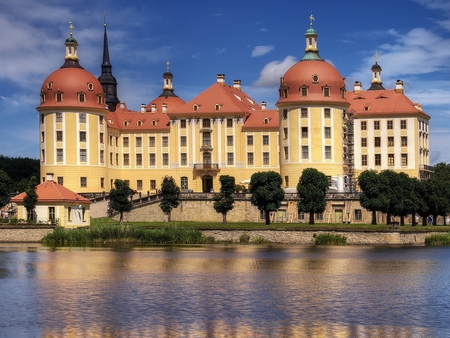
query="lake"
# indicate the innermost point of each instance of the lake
(224, 291)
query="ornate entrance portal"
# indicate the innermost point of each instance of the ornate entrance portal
(207, 183)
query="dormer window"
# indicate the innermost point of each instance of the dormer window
(90, 86)
(343, 92)
(139, 123)
(266, 120)
(42, 98)
(58, 97)
(217, 106)
(81, 97)
(153, 123)
(285, 92)
(304, 90)
(326, 91)
(100, 99)
(49, 85)
(195, 107)
(315, 78)
(125, 123)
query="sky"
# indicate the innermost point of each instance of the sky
(255, 41)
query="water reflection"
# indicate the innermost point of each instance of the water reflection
(224, 291)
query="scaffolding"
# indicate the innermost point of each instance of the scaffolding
(348, 140)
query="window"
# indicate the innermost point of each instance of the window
(102, 156)
(301, 215)
(364, 160)
(117, 159)
(286, 153)
(184, 183)
(285, 92)
(266, 159)
(139, 159)
(319, 216)
(81, 97)
(183, 159)
(304, 112)
(183, 124)
(358, 215)
(59, 97)
(59, 135)
(327, 132)
(229, 123)
(304, 90)
(207, 139)
(285, 132)
(363, 125)
(43, 155)
(82, 118)
(152, 158)
(183, 141)
(206, 123)
(152, 184)
(265, 140)
(138, 141)
(377, 159)
(404, 159)
(404, 141)
(42, 136)
(165, 159)
(51, 213)
(390, 141)
(390, 124)
(230, 158)
(266, 120)
(139, 184)
(326, 91)
(249, 158)
(377, 141)
(151, 141)
(100, 120)
(60, 180)
(82, 136)
(101, 138)
(139, 123)
(390, 159)
(328, 152)
(82, 155)
(363, 141)
(126, 159)
(376, 125)
(165, 141)
(59, 117)
(229, 140)
(126, 142)
(83, 182)
(327, 113)
(59, 155)
(304, 132)
(305, 152)
(285, 114)
(402, 124)
(99, 99)
(111, 158)
(249, 140)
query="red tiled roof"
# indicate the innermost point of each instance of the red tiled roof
(258, 119)
(50, 191)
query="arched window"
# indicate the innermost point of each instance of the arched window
(81, 97)
(266, 120)
(195, 107)
(49, 85)
(217, 107)
(90, 86)
(59, 97)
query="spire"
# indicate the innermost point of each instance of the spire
(107, 80)
(376, 76)
(71, 59)
(168, 83)
(312, 53)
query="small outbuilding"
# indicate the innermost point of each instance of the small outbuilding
(56, 205)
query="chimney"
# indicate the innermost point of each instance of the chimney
(153, 108)
(49, 176)
(263, 106)
(221, 78)
(357, 88)
(143, 108)
(164, 108)
(399, 86)
(237, 84)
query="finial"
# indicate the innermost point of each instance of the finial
(311, 19)
(104, 19)
(71, 27)
(168, 64)
(376, 57)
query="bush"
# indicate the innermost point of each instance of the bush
(330, 239)
(438, 240)
(259, 240)
(244, 238)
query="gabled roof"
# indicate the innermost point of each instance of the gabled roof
(51, 192)
(383, 102)
(261, 120)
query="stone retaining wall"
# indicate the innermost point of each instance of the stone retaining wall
(22, 235)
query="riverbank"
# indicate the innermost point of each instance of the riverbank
(17, 234)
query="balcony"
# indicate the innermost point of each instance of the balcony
(201, 169)
(206, 147)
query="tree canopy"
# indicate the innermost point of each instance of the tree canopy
(266, 191)
(118, 198)
(31, 197)
(224, 201)
(19, 170)
(312, 188)
(371, 187)
(5, 185)
(170, 196)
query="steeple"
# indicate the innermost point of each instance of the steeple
(107, 80)
(71, 59)
(312, 53)
(376, 76)
(168, 84)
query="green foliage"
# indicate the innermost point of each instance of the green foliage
(312, 188)
(371, 198)
(5, 188)
(438, 240)
(259, 240)
(170, 196)
(224, 201)
(119, 198)
(266, 191)
(244, 238)
(31, 198)
(19, 170)
(330, 239)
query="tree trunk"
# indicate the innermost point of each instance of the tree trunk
(311, 217)
(168, 217)
(121, 217)
(224, 218)
(402, 220)
(267, 217)
(424, 221)
(374, 217)
(413, 217)
(388, 218)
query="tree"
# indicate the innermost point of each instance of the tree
(421, 205)
(266, 191)
(5, 184)
(170, 196)
(371, 198)
(31, 197)
(223, 201)
(312, 188)
(118, 198)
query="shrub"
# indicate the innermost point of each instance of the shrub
(259, 240)
(244, 238)
(438, 240)
(330, 239)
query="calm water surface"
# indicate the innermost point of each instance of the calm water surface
(224, 291)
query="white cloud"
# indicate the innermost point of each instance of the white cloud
(271, 73)
(261, 50)
(435, 4)
(263, 30)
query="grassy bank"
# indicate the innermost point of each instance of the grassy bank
(438, 240)
(330, 239)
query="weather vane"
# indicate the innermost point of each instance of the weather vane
(376, 57)
(71, 27)
(168, 64)
(311, 18)
(104, 18)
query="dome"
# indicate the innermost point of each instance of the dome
(314, 76)
(72, 87)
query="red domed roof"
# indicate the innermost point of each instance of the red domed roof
(72, 87)
(315, 75)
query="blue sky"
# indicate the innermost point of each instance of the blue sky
(254, 41)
